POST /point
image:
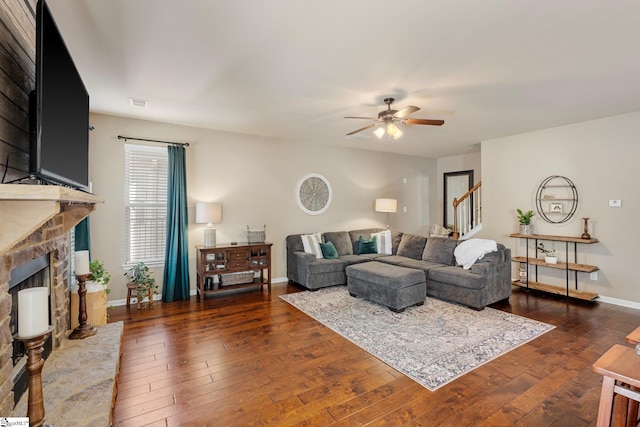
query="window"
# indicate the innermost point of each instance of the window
(146, 203)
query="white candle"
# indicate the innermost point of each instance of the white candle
(33, 311)
(82, 262)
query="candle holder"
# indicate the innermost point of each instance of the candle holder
(34, 345)
(84, 329)
(586, 234)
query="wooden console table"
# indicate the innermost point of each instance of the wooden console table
(225, 259)
(567, 266)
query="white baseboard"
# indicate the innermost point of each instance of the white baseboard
(620, 302)
(158, 297)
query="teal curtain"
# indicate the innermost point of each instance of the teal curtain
(83, 236)
(176, 258)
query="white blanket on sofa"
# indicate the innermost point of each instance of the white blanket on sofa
(470, 251)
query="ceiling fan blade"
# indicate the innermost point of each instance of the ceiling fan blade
(368, 118)
(423, 122)
(361, 129)
(409, 109)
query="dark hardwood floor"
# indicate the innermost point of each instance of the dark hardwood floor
(252, 359)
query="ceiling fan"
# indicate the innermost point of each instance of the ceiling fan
(388, 118)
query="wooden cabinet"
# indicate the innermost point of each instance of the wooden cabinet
(570, 268)
(226, 266)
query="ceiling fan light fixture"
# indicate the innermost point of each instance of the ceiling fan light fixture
(387, 119)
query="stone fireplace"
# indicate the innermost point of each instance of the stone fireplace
(35, 221)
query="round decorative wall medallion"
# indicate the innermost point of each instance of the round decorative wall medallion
(313, 194)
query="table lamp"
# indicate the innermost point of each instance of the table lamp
(209, 213)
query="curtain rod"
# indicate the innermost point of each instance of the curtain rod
(186, 144)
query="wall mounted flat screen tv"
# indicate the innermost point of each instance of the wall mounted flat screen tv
(59, 111)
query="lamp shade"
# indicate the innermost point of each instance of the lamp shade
(208, 213)
(386, 205)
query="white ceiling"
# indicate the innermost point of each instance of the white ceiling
(293, 69)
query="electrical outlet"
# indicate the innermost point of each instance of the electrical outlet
(615, 203)
(593, 275)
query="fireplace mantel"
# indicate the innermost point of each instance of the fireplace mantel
(25, 208)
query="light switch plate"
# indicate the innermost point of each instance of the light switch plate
(615, 203)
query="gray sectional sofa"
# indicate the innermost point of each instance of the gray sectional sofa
(487, 281)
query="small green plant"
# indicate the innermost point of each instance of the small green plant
(98, 274)
(140, 275)
(525, 217)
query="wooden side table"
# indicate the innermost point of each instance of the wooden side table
(634, 337)
(620, 363)
(132, 292)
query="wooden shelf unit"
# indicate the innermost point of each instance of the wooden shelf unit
(585, 268)
(568, 267)
(215, 261)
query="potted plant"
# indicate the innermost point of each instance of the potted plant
(98, 275)
(140, 275)
(96, 297)
(549, 254)
(525, 221)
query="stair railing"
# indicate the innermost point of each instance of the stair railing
(467, 211)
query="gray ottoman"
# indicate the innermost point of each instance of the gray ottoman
(390, 285)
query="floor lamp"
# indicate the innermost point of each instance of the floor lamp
(386, 205)
(209, 213)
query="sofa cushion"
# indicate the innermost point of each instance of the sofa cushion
(341, 241)
(412, 246)
(327, 266)
(425, 266)
(457, 276)
(354, 235)
(394, 259)
(367, 246)
(311, 244)
(356, 259)
(328, 250)
(396, 237)
(384, 243)
(440, 250)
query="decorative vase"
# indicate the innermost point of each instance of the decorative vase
(551, 259)
(526, 229)
(586, 234)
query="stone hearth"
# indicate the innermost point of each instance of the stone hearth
(35, 220)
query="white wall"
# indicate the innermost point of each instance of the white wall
(601, 158)
(255, 180)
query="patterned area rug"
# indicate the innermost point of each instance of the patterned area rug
(433, 344)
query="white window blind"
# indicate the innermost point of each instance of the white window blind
(146, 203)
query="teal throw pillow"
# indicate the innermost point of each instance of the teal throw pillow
(367, 246)
(328, 250)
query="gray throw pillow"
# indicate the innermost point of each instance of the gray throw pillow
(440, 250)
(411, 246)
